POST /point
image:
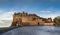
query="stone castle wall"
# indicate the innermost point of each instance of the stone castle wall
(21, 19)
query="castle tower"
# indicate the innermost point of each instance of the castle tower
(16, 20)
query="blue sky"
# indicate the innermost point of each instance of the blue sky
(43, 8)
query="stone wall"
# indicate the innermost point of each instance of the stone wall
(48, 24)
(20, 19)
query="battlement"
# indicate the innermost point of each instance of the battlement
(24, 14)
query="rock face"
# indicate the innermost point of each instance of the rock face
(24, 19)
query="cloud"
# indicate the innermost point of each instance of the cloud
(1, 21)
(45, 11)
(5, 23)
(1, 11)
(6, 15)
(6, 18)
(48, 14)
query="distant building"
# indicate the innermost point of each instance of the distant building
(25, 19)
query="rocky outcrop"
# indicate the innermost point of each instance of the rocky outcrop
(24, 19)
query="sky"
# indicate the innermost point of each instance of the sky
(43, 8)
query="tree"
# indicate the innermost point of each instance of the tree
(56, 20)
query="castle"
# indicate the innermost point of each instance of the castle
(25, 19)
